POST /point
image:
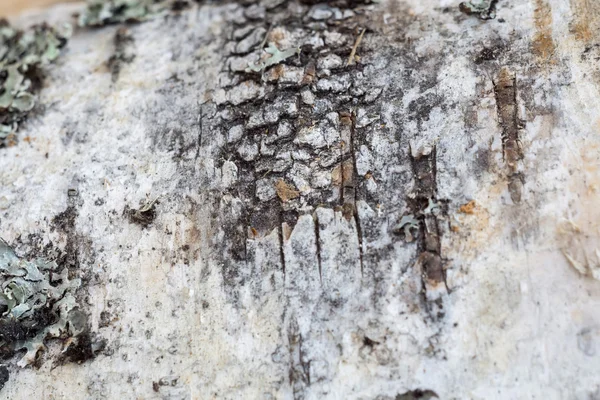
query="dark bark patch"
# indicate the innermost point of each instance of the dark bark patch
(505, 87)
(84, 348)
(143, 216)
(4, 375)
(417, 394)
(122, 54)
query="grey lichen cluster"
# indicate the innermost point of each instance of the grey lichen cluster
(486, 9)
(103, 12)
(37, 302)
(274, 56)
(22, 56)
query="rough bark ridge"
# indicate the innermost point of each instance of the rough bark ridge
(403, 209)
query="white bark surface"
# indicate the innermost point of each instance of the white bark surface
(247, 287)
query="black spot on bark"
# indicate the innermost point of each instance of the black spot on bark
(122, 54)
(143, 216)
(417, 394)
(4, 375)
(85, 348)
(13, 330)
(369, 342)
(421, 108)
(489, 54)
(339, 3)
(65, 224)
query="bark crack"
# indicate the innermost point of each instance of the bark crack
(281, 245)
(200, 128)
(429, 210)
(355, 179)
(318, 245)
(505, 88)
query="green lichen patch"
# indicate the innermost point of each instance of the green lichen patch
(408, 224)
(485, 9)
(273, 56)
(104, 12)
(23, 54)
(37, 302)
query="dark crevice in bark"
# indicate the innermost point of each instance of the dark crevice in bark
(298, 373)
(247, 223)
(353, 150)
(505, 88)
(360, 241)
(318, 244)
(65, 224)
(430, 258)
(346, 156)
(200, 131)
(122, 54)
(305, 365)
(281, 244)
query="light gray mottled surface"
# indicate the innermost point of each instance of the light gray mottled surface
(276, 266)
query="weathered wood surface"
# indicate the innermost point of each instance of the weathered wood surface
(276, 265)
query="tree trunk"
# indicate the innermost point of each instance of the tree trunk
(405, 208)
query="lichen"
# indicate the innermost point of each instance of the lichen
(36, 303)
(274, 56)
(23, 54)
(103, 12)
(432, 208)
(407, 224)
(486, 9)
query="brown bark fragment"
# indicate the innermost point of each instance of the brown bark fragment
(285, 191)
(586, 19)
(543, 44)
(433, 268)
(468, 208)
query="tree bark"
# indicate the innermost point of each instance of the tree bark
(405, 208)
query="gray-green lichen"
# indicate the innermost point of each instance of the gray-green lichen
(103, 12)
(37, 303)
(274, 56)
(23, 54)
(486, 9)
(408, 223)
(432, 207)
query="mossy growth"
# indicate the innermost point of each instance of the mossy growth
(37, 302)
(23, 55)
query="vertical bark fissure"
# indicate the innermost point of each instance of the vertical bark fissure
(318, 245)
(298, 372)
(281, 245)
(355, 181)
(342, 175)
(345, 149)
(505, 89)
(303, 364)
(200, 128)
(425, 206)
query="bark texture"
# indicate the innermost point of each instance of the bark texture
(407, 208)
